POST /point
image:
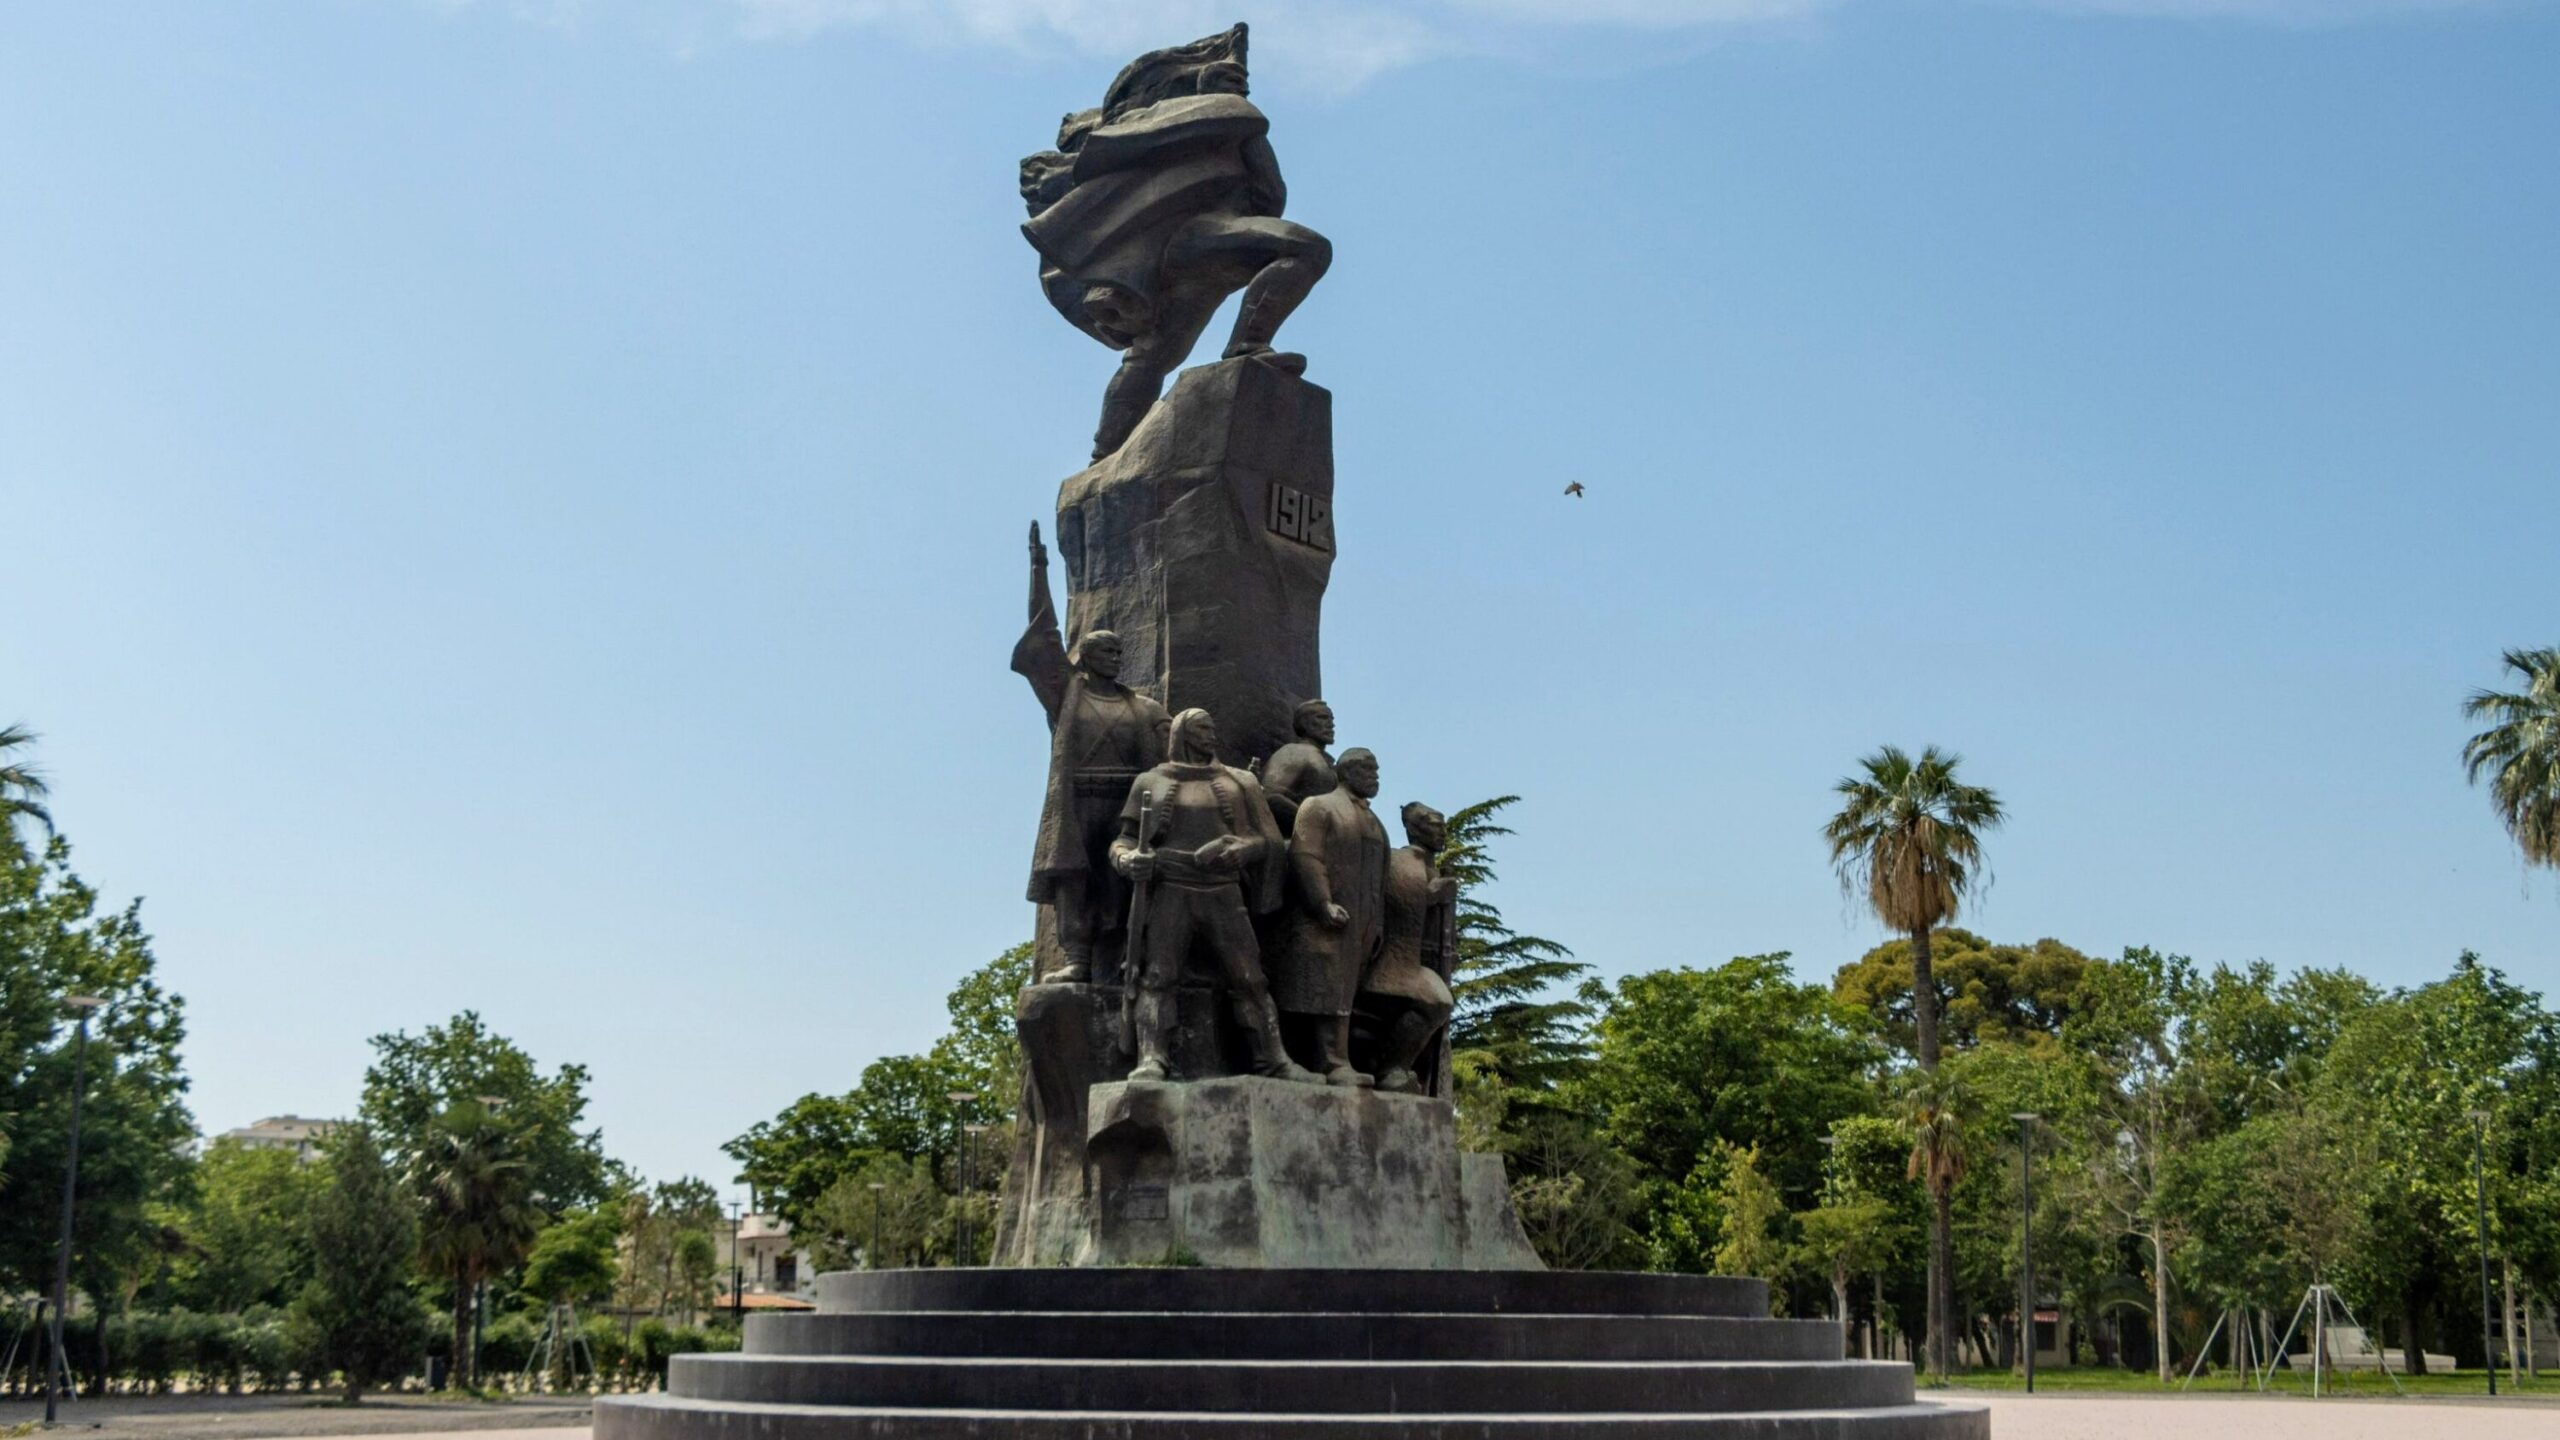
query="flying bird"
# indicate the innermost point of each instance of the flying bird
(1574, 489)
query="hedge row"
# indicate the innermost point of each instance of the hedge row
(262, 1349)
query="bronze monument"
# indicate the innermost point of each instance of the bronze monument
(1157, 206)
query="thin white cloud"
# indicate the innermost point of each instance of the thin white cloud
(1341, 44)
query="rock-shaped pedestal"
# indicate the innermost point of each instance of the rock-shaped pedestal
(1239, 1172)
(1252, 1173)
(1206, 542)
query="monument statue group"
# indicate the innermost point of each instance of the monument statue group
(1218, 897)
(1237, 1208)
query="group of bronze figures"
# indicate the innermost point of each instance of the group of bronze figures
(1162, 865)
(1275, 882)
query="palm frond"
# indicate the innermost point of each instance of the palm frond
(2520, 753)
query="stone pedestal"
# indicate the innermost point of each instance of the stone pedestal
(1206, 542)
(1254, 1174)
(1242, 1172)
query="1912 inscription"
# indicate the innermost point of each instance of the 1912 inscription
(1297, 515)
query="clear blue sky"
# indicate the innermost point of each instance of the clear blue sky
(521, 506)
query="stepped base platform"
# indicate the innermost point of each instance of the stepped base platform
(1199, 1354)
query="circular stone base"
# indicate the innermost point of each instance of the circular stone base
(1171, 1354)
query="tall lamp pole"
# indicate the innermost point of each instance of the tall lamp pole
(2027, 1243)
(871, 1256)
(58, 1367)
(737, 1271)
(960, 1173)
(1830, 1152)
(2480, 1190)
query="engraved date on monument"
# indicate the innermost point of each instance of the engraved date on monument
(1143, 1202)
(1297, 515)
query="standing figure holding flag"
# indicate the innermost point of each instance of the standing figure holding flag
(1102, 736)
(1209, 859)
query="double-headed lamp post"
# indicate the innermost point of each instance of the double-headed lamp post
(2027, 1243)
(2480, 1192)
(57, 1373)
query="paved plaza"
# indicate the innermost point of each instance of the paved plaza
(2142, 1417)
(2013, 1417)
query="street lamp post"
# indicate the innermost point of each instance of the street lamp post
(2027, 1244)
(960, 1174)
(58, 1367)
(969, 1170)
(871, 1256)
(737, 1270)
(2480, 1191)
(1839, 1297)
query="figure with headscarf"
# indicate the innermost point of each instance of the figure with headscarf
(1338, 874)
(1102, 736)
(1155, 208)
(1197, 838)
(1408, 985)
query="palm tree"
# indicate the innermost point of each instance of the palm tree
(1908, 834)
(479, 1212)
(2521, 753)
(1934, 1106)
(22, 787)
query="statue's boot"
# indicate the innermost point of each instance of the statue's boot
(1274, 293)
(1124, 404)
(1155, 1026)
(1077, 970)
(1261, 1021)
(1334, 1038)
(1405, 1039)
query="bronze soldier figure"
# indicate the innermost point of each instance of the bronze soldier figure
(1102, 737)
(1302, 769)
(1408, 987)
(1338, 861)
(1210, 858)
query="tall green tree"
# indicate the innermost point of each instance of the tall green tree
(1516, 1006)
(902, 1107)
(1907, 838)
(22, 787)
(1689, 1062)
(417, 1080)
(244, 1238)
(1991, 992)
(2520, 752)
(478, 1212)
(358, 1313)
(134, 1127)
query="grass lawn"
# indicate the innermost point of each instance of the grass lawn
(2283, 1382)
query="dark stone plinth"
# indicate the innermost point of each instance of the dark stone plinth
(1238, 1172)
(1255, 1173)
(1280, 1335)
(1166, 1354)
(1205, 543)
(1291, 1292)
(1071, 1041)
